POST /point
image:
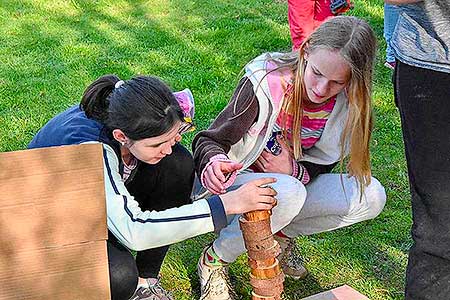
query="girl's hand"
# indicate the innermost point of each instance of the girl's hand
(250, 196)
(217, 174)
(282, 163)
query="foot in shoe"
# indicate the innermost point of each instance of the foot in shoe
(290, 258)
(151, 289)
(214, 280)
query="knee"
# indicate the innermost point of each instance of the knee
(123, 274)
(375, 197)
(178, 176)
(181, 161)
(291, 196)
(123, 285)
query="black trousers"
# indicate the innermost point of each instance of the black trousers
(423, 98)
(157, 187)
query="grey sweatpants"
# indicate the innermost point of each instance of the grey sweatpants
(327, 203)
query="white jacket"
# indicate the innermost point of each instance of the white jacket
(269, 87)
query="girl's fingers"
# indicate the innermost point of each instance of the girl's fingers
(218, 172)
(263, 181)
(267, 199)
(214, 178)
(259, 165)
(230, 167)
(283, 143)
(266, 161)
(213, 189)
(265, 157)
(265, 207)
(267, 202)
(213, 181)
(268, 191)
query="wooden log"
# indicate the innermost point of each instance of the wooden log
(265, 272)
(264, 254)
(266, 276)
(258, 297)
(257, 215)
(255, 264)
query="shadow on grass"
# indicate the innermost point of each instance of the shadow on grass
(54, 56)
(369, 256)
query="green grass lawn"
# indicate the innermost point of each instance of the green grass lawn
(51, 50)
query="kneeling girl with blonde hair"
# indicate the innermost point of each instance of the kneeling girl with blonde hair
(297, 116)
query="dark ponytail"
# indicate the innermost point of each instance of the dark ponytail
(141, 107)
(95, 101)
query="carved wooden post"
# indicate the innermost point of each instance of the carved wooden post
(266, 276)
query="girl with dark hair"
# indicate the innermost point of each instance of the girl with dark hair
(148, 176)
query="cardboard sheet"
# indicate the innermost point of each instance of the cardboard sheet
(53, 224)
(341, 293)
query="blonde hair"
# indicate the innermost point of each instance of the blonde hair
(355, 41)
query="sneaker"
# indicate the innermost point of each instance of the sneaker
(290, 258)
(390, 64)
(151, 291)
(214, 281)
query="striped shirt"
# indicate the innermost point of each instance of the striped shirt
(313, 123)
(128, 168)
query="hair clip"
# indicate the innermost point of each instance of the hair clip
(119, 84)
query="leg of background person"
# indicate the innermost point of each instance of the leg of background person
(301, 20)
(390, 20)
(423, 99)
(322, 12)
(123, 273)
(328, 206)
(291, 196)
(158, 187)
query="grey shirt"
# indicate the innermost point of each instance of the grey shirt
(422, 35)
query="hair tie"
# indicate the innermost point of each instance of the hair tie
(119, 84)
(166, 110)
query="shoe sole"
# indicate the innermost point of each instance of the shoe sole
(387, 65)
(297, 277)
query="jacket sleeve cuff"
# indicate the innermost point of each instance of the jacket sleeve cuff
(217, 212)
(300, 172)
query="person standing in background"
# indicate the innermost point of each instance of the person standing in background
(390, 20)
(304, 16)
(421, 43)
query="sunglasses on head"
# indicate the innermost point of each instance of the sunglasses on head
(186, 126)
